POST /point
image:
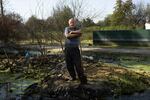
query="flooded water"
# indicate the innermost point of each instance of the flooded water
(136, 96)
(131, 61)
(13, 85)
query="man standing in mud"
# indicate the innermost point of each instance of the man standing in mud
(72, 52)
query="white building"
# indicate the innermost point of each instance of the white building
(147, 26)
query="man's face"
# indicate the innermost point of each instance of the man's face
(72, 23)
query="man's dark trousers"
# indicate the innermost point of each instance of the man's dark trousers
(73, 62)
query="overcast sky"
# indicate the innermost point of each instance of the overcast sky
(43, 8)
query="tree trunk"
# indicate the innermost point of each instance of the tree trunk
(2, 8)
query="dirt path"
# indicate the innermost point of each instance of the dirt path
(136, 50)
(144, 51)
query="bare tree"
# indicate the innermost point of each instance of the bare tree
(77, 7)
(140, 13)
(147, 11)
(61, 14)
(80, 9)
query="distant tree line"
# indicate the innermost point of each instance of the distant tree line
(12, 27)
(127, 14)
